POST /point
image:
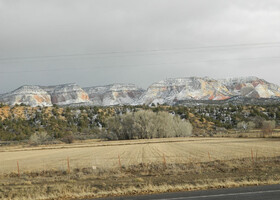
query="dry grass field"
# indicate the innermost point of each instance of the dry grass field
(136, 167)
(111, 154)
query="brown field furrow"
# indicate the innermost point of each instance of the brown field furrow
(155, 155)
(156, 152)
(104, 154)
(129, 156)
(139, 156)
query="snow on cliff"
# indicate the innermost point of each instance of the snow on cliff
(167, 91)
(114, 94)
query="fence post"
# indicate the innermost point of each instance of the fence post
(18, 169)
(252, 155)
(164, 160)
(120, 164)
(209, 156)
(68, 165)
(143, 157)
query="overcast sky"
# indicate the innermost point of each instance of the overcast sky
(97, 42)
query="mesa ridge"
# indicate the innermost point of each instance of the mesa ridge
(170, 91)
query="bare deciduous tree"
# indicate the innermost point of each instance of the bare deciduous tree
(246, 126)
(147, 124)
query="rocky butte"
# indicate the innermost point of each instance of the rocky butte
(167, 91)
(29, 95)
(67, 94)
(174, 89)
(114, 94)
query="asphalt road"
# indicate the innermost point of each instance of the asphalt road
(271, 192)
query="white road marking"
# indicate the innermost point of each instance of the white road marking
(221, 195)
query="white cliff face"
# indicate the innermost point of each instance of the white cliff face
(172, 90)
(67, 94)
(46, 95)
(251, 87)
(29, 95)
(167, 91)
(115, 94)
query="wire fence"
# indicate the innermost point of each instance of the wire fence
(68, 164)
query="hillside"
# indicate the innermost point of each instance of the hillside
(20, 122)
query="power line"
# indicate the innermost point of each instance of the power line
(148, 64)
(108, 53)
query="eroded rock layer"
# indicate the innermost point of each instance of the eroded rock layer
(29, 95)
(167, 91)
(114, 94)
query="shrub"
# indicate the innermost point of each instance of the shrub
(244, 126)
(108, 136)
(39, 138)
(68, 139)
(268, 127)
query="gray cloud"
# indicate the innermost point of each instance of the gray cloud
(35, 29)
